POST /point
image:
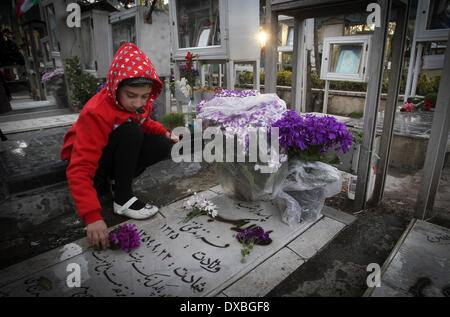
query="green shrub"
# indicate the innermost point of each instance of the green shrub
(172, 120)
(431, 97)
(246, 77)
(435, 81)
(83, 86)
(284, 78)
(316, 82)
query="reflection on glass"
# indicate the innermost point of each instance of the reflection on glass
(286, 60)
(203, 38)
(290, 38)
(345, 58)
(47, 51)
(123, 31)
(438, 15)
(36, 37)
(87, 39)
(52, 24)
(198, 23)
(29, 50)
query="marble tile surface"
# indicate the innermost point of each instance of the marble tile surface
(314, 239)
(197, 258)
(266, 276)
(39, 123)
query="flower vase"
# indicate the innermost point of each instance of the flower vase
(246, 180)
(302, 195)
(240, 181)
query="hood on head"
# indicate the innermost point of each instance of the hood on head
(129, 62)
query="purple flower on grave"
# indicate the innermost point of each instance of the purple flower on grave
(46, 77)
(235, 93)
(308, 136)
(240, 112)
(255, 236)
(250, 237)
(125, 237)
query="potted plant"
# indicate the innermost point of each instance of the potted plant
(172, 120)
(238, 114)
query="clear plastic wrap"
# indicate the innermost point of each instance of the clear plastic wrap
(240, 181)
(301, 196)
(298, 188)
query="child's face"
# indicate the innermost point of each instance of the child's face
(132, 98)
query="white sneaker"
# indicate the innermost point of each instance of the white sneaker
(144, 213)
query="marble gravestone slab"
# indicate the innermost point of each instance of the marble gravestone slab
(39, 123)
(424, 253)
(197, 258)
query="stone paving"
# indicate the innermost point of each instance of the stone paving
(197, 258)
(39, 123)
(418, 265)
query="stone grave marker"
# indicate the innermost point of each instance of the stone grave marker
(198, 258)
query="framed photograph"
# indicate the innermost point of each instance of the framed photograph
(433, 20)
(203, 37)
(345, 58)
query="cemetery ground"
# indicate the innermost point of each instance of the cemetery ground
(34, 221)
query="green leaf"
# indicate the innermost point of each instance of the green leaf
(45, 283)
(95, 248)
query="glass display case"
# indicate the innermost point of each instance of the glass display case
(345, 58)
(123, 31)
(95, 42)
(198, 23)
(131, 26)
(52, 29)
(217, 32)
(433, 20)
(213, 29)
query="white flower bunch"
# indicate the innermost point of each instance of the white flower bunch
(199, 206)
(185, 87)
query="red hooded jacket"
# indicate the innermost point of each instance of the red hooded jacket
(84, 142)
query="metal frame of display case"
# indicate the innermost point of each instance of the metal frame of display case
(421, 34)
(99, 44)
(303, 9)
(361, 74)
(235, 47)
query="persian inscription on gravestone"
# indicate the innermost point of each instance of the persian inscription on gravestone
(440, 238)
(174, 258)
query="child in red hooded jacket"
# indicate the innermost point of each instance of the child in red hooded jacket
(114, 138)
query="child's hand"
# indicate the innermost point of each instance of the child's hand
(97, 232)
(172, 137)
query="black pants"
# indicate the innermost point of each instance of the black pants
(128, 153)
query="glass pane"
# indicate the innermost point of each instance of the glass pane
(86, 38)
(36, 38)
(52, 24)
(29, 50)
(123, 32)
(290, 39)
(47, 51)
(198, 23)
(438, 15)
(345, 58)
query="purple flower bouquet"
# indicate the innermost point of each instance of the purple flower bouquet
(249, 237)
(238, 114)
(309, 137)
(124, 237)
